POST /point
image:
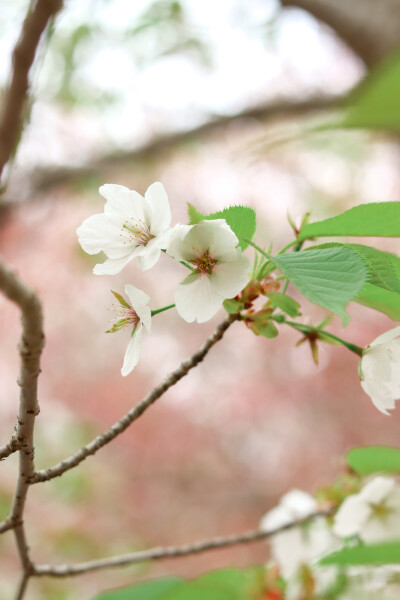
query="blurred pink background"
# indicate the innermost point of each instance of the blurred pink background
(254, 420)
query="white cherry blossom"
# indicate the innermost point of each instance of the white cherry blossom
(299, 545)
(220, 270)
(132, 315)
(131, 226)
(380, 370)
(373, 514)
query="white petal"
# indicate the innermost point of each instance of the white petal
(148, 258)
(381, 397)
(387, 336)
(161, 213)
(113, 266)
(299, 504)
(214, 236)
(351, 516)
(223, 242)
(375, 365)
(132, 353)
(381, 529)
(229, 278)
(176, 246)
(376, 490)
(98, 233)
(195, 299)
(123, 201)
(139, 301)
(275, 518)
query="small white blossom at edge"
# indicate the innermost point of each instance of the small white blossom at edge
(380, 370)
(373, 514)
(299, 545)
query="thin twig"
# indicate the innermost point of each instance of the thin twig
(12, 446)
(30, 348)
(107, 436)
(6, 526)
(23, 56)
(247, 537)
(23, 584)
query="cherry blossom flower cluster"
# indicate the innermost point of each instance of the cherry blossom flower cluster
(133, 227)
(371, 515)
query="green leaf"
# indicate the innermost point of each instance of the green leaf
(380, 299)
(241, 219)
(233, 306)
(150, 590)
(265, 328)
(378, 219)
(121, 300)
(226, 584)
(374, 459)
(375, 104)
(287, 304)
(330, 277)
(383, 267)
(194, 215)
(374, 554)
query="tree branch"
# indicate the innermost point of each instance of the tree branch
(23, 584)
(23, 56)
(44, 179)
(369, 28)
(120, 426)
(247, 537)
(6, 526)
(12, 446)
(30, 348)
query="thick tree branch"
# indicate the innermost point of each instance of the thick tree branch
(30, 348)
(44, 179)
(120, 426)
(371, 29)
(159, 553)
(23, 56)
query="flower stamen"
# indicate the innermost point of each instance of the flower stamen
(204, 263)
(138, 232)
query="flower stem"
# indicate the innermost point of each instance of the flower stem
(289, 245)
(160, 310)
(306, 328)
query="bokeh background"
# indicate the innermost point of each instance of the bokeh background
(216, 100)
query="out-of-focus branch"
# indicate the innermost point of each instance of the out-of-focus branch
(30, 348)
(6, 526)
(23, 56)
(43, 179)
(120, 426)
(371, 29)
(159, 553)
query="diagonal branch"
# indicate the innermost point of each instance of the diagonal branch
(23, 56)
(46, 178)
(120, 426)
(30, 348)
(247, 537)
